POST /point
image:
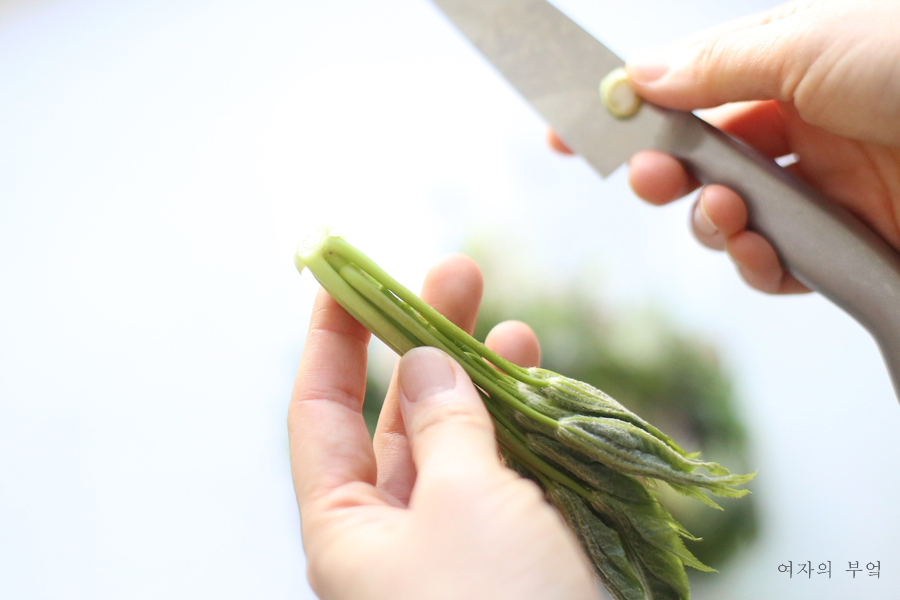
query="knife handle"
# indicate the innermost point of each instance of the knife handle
(820, 243)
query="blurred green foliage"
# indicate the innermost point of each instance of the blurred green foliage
(673, 379)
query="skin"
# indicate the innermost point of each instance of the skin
(426, 510)
(817, 78)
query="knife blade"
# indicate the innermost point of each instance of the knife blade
(557, 67)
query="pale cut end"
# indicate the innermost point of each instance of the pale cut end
(312, 244)
(618, 96)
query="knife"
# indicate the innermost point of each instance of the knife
(558, 68)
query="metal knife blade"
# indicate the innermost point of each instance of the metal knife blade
(558, 67)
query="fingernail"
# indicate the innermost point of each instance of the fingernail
(702, 223)
(646, 66)
(425, 372)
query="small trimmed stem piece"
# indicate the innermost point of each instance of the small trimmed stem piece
(618, 96)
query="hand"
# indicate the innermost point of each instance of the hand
(815, 78)
(428, 511)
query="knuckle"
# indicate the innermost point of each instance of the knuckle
(314, 573)
(522, 492)
(530, 492)
(453, 414)
(318, 566)
(710, 59)
(706, 58)
(324, 569)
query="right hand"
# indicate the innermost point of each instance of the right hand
(817, 78)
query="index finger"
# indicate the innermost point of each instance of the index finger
(330, 444)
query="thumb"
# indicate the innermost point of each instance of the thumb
(755, 58)
(449, 428)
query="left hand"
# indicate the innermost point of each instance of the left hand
(428, 511)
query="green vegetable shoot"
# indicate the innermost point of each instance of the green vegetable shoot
(597, 462)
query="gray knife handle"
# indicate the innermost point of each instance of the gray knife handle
(819, 242)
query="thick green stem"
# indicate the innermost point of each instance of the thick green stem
(357, 306)
(341, 248)
(392, 309)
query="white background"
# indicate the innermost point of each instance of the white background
(160, 160)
